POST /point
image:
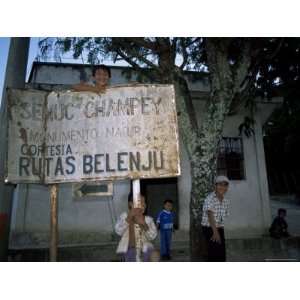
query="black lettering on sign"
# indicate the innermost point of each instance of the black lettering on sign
(156, 105)
(55, 112)
(70, 162)
(37, 111)
(32, 150)
(121, 161)
(50, 113)
(24, 149)
(134, 160)
(47, 165)
(40, 150)
(69, 150)
(87, 164)
(147, 168)
(51, 150)
(108, 169)
(23, 166)
(58, 149)
(59, 167)
(124, 108)
(158, 162)
(97, 163)
(112, 108)
(134, 102)
(67, 115)
(31, 111)
(100, 109)
(88, 112)
(145, 110)
(36, 166)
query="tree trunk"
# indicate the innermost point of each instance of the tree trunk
(202, 149)
(203, 172)
(225, 83)
(201, 142)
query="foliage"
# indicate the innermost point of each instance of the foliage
(274, 62)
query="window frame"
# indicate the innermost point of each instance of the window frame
(242, 169)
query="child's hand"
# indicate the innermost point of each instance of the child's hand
(216, 237)
(139, 219)
(137, 211)
(100, 90)
(132, 213)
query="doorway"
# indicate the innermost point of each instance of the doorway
(158, 190)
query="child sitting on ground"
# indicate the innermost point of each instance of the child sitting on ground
(279, 226)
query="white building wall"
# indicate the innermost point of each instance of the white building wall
(246, 209)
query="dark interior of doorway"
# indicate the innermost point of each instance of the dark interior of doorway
(156, 191)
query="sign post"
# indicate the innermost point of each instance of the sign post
(137, 229)
(53, 221)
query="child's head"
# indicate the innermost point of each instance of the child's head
(221, 185)
(101, 74)
(143, 202)
(168, 204)
(281, 213)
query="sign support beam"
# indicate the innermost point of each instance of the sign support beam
(136, 188)
(53, 221)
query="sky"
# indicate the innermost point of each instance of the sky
(4, 47)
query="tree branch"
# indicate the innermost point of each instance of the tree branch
(143, 59)
(193, 41)
(272, 55)
(254, 68)
(130, 50)
(241, 67)
(184, 54)
(184, 89)
(134, 65)
(144, 43)
(174, 45)
(247, 70)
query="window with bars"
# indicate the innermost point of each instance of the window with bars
(231, 158)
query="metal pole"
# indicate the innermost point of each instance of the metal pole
(53, 222)
(137, 230)
(14, 77)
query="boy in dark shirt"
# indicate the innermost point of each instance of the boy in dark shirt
(279, 226)
(165, 222)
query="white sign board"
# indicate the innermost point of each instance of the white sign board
(128, 132)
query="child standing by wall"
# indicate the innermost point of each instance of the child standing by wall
(165, 222)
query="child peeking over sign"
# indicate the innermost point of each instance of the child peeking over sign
(101, 76)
